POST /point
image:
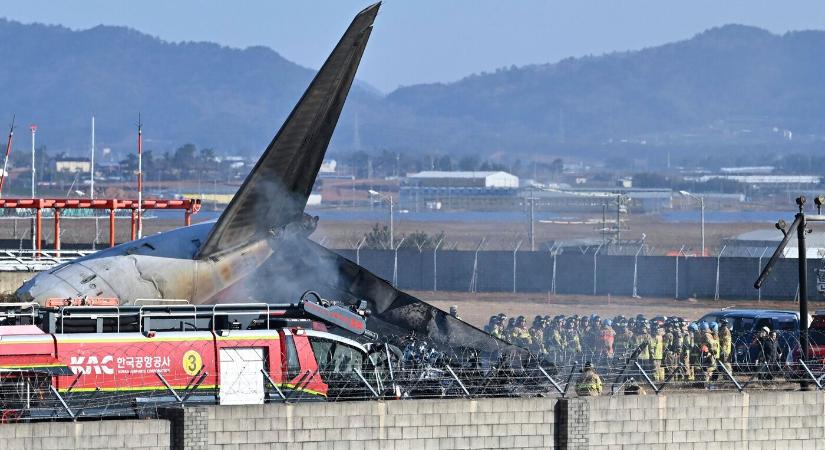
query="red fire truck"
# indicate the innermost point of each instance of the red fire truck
(81, 361)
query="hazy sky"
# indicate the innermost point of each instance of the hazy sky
(428, 40)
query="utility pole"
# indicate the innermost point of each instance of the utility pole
(33, 128)
(92, 171)
(702, 214)
(387, 198)
(532, 220)
(140, 180)
(604, 223)
(802, 259)
(618, 218)
(92, 185)
(701, 200)
(800, 228)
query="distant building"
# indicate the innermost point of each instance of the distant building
(328, 166)
(435, 178)
(459, 190)
(235, 162)
(762, 243)
(595, 199)
(314, 200)
(73, 165)
(747, 170)
(761, 179)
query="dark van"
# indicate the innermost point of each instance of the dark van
(746, 323)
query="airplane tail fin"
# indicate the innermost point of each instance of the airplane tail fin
(276, 191)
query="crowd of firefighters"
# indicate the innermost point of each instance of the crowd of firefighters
(666, 348)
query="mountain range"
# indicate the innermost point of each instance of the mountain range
(735, 86)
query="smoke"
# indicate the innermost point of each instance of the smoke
(300, 265)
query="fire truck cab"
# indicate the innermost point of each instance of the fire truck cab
(86, 360)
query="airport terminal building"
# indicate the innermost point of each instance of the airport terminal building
(473, 190)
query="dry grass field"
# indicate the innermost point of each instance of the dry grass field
(660, 236)
(476, 308)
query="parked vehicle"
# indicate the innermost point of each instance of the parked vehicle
(816, 345)
(745, 326)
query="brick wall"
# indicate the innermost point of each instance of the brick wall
(132, 434)
(673, 421)
(409, 424)
(760, 420)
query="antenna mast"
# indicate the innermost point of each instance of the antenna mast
(8, 151)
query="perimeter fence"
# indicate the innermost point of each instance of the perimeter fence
(587, 271)
(111, 382)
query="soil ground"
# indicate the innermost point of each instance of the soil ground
(476, 308)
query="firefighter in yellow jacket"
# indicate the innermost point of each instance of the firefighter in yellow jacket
(590, 384)
(657, 353)
(725, 343)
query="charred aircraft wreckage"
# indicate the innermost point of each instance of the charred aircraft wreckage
(259, 250)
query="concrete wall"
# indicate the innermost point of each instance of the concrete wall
(761, 420)
(673, 421)
(409, 424)
(137, 434)
(10, 281)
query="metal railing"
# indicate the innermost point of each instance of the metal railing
(34, 260)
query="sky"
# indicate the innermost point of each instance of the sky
(426, 41)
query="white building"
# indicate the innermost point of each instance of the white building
(761, 179)
(762, 243)
(435, 178)
(460, 190)
(328, 166)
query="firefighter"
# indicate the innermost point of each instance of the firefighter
(519, 335)
(642, 345)
(672, 345)
(497, 330)
(725, 344)
(608, 337)
(590, 384)
(536, 342)
(687, 349)
(489, 327)
(657, 349)
(537, 331)
(556, 340)
(633, 388)
(574, 343)
(626, 336)
(710, 349)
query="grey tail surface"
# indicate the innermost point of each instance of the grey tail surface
(276, 191)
